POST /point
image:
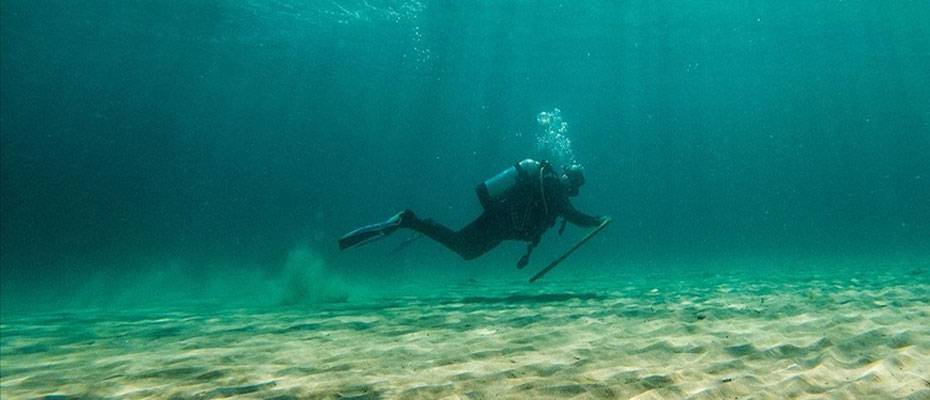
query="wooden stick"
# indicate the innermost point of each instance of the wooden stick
(570, 251)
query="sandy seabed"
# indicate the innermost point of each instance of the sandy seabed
(814, 339)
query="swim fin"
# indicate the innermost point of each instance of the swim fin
(373, 232)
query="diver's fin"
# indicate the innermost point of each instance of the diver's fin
(370, 233)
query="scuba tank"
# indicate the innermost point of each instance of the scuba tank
(499, 188)
(514, 191)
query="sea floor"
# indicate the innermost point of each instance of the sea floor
(854, 337)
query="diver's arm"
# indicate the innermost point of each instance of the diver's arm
(579, 218)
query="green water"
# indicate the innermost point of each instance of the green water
(191, 160)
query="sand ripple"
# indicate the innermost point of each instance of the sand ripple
(763, 341)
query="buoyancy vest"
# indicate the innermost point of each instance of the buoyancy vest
(516, 190)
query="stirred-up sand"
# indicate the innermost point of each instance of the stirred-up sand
(759, 340)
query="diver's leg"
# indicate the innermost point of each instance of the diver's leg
(475, 239)
(479, 236)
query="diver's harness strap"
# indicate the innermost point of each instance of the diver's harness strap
(543, 167)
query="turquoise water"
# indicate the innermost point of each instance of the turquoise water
(173, 162)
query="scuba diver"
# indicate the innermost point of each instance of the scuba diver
(520, 203)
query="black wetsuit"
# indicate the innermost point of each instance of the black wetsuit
(526, 215)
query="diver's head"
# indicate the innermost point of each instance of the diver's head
(573, 178)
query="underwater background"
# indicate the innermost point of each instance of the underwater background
(198, 156)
